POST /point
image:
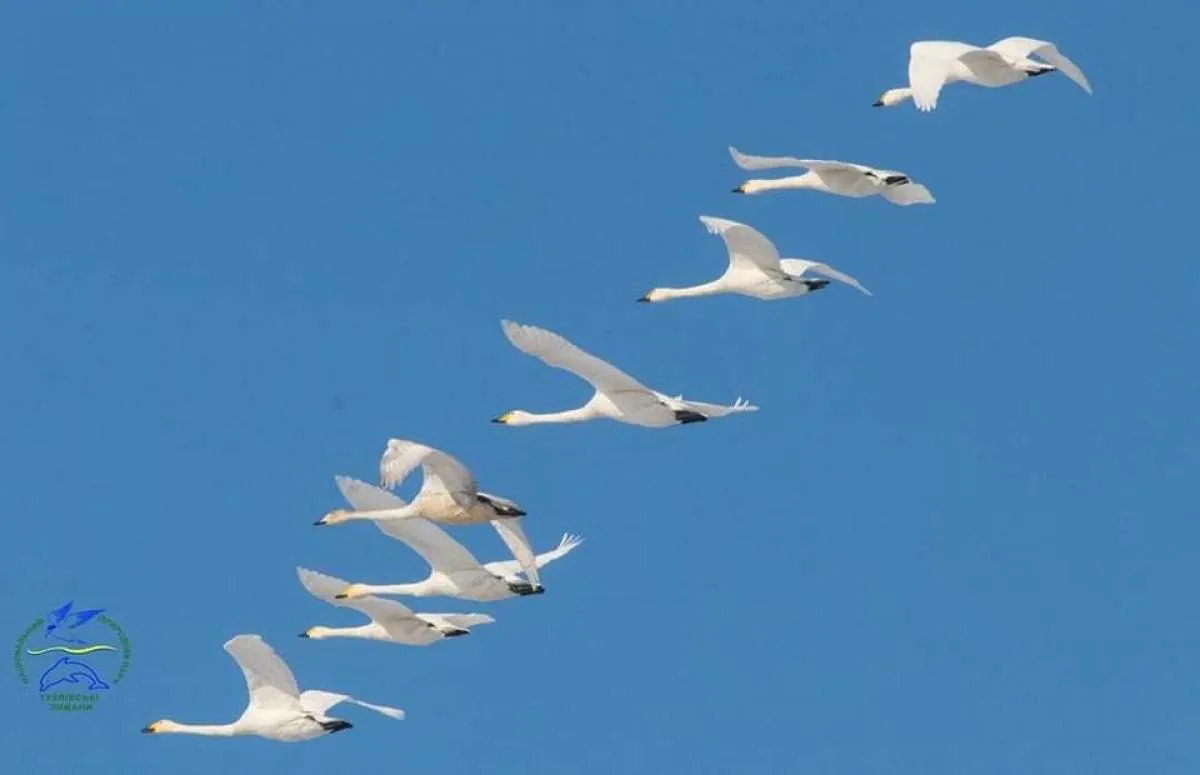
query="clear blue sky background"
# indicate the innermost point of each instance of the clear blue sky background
(242, 245)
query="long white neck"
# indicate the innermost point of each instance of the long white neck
(369, 630)
(582, 414)
(212, 730)
(703, 289)
(807, 180)
(393, 513)
(419, 589)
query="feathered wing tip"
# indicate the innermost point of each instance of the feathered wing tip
(742, 405)
(569, 542)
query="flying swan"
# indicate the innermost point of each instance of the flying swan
(755, 269)
(454, 571)
(934, 63)
(390, 621)
(449, 496)
(618, 396)
(278, 710)
(832, 177)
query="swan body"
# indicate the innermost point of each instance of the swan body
(390, 620)
(277, 710)
(832, 177)
(618, 396)
(932, 64)
(449, 496)
(755, 269)
(454, 571)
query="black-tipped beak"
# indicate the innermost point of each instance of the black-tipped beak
(304, 635)
(644, 299)
(497, 420)
(320, 522)
(877, 104)
(147, 730)
(738, 190)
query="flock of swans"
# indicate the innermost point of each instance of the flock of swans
(449, 495)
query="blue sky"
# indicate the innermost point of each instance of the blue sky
(244, 244)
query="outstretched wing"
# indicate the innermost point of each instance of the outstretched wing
(1022, 48)
(509, 568)
(457, 621)
(712, 410)
(434, 545)
(748, 249)
(748, 162)
(553, 350)
(443, 472)
(514, 538)
(327, 588)
(798, 266)
(929, 65)
(317, 702)
(269, 681)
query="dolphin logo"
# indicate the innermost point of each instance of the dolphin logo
(67, 670)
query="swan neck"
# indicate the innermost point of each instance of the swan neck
(807, 180)
(392, 513)
(704, 289)
(211, 730)
(415, 590)
(581, 414)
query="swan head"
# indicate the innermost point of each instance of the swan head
(752, 187)
(515, 417)
(653, 295)
(892, 97)
(159, 727)
(334, 517)
(349, 593)
(315, 633)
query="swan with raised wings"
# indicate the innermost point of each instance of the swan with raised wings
(390, 621)
(449, 496)
(618, 396)
(832, 177)
(934, 63)
(454, 571)
(278, 710)
(755, 269)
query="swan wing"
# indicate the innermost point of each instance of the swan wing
(317, 702)
(748, 249)
(435, 545)
(514, 538)
(908, 194)
(443, 472)
(269, 680)
(509, 568)
(458, 621)
(929, 65)
(798, 266)
(327, 588)
(1022, 48)
(710, 410)
(748, 162)
(554, 350)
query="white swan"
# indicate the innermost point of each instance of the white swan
(449, 496)
(934, 63)
(618, 396)
(755, 269)
(278, 710)
(390, 621)
(454, 571)
(832, 177)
